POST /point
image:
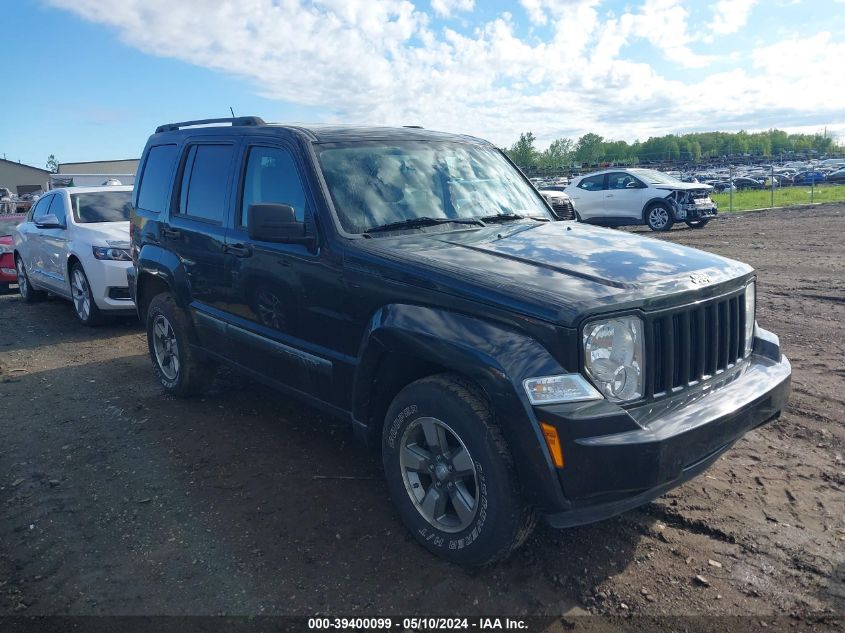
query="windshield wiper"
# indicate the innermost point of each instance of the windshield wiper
(414, 223)
(509, 217)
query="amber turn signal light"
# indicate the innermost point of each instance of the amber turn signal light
(553, 442)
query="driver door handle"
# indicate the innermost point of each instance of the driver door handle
(171, 233)
(238, 250)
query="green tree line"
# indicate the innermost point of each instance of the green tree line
(592, 149)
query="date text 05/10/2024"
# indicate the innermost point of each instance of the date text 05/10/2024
(419, 624)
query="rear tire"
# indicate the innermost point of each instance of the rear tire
(180, 371)
(450, 472)
(27, 292)
(658, 217)
(83, 297)
(698, 224)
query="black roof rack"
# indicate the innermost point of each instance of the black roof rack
(414, 127)
(233, 121)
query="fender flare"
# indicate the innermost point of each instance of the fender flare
(494, 356)
(158, 263)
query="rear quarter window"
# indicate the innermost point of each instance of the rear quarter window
(154, 186)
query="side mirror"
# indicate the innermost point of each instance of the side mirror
(49, 221)
(273, 222)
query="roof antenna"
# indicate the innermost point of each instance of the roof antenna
(232, 111)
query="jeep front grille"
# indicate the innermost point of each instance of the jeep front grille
(693, 343)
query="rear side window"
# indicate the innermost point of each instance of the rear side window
(271, 176)
(155, 181)
(592, 183)
(205, 178)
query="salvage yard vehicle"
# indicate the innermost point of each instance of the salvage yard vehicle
(8, 274)
(74, 243)
(620, 197)
(505, 364)
(560, 203)
(836, 176)
(809, 178)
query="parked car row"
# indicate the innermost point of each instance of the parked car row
(764, 177)
(505, 365)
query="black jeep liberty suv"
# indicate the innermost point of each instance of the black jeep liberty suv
(506, 364)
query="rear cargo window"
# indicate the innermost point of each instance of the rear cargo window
(155, 181)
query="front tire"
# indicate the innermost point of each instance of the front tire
(28, 293)
(83, 297)
(178, 368)
(659, 217)
(698, 224)
(450, 472)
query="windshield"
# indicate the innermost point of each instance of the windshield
(654, 177)
(375, 184)
(9, 222)
(101, 206)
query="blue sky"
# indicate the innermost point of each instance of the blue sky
(97, 76)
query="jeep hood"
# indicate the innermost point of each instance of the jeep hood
(562, 271)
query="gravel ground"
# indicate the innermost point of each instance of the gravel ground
(116, 499)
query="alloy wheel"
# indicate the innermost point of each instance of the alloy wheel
(658, 217)
(165, 347)
(440, 475)
(81, 292)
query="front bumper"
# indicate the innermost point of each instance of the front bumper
(108, 281)
(671, 441)
(685, 213)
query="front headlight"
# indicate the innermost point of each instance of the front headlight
(117, 254)
(750, 315)
(558, 389)
(614, 357)
(6, 248)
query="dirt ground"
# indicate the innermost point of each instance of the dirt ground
(116, 499)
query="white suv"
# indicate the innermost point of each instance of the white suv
(617, 197)
(75, 243)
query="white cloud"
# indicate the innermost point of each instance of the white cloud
(447, 8)
(383, 62)
(729, 16)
